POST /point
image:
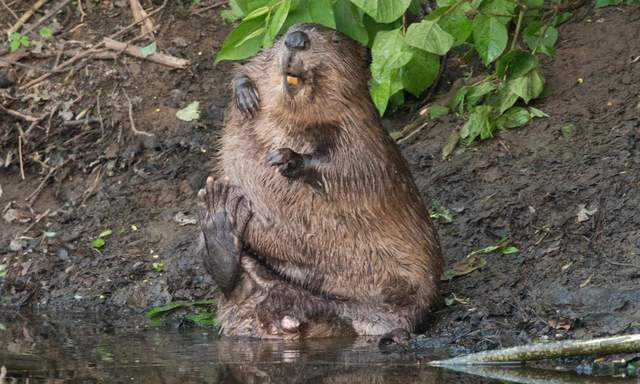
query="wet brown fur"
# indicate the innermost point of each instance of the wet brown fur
(360, 257)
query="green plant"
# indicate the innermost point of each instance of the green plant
(507, 35)
(16, 40)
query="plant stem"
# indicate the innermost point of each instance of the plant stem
(517, 32)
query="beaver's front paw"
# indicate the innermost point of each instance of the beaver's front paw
(289, 163)
(224, 215)
(246, 96)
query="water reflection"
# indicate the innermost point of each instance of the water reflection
(42, 350)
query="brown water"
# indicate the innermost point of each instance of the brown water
(44, 350)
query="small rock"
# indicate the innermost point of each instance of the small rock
(17, 245)
(63, 254)
(180, 42)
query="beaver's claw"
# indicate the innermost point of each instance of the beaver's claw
(246, 96)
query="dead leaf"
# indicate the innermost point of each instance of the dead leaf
(20, 216)
(560, 324)
(586, 282)
(584, 213)
(464, 267)
(183, 219)
(0, 190)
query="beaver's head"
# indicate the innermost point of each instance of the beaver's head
(319, 63)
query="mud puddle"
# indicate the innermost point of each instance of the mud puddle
(46, 350)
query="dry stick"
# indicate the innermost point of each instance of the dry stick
(133, 125)
(28, 118)
(20, 156)
(47, 16)
(570, 348)
(139, 14)
(159, 58)
(26, 16)
(10, 10)
(92, 50)
(34, 195)
(529, 375)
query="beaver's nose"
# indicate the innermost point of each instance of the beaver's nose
(297, 40)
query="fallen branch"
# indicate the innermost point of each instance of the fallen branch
(132, 123)
(158, 58)
(26, 16)
(90, 51)
(529, 375)
(20, 115)
(140, 15)
(598, 347)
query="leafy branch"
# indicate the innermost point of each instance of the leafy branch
(506, 35)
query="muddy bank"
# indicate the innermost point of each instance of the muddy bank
(565, 189)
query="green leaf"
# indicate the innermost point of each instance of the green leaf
(382, 89)
(276, 22)
(437, 111)
(257, 13)
(477, 92)
(16, 40)
(3, 270)
(535, 112)
(457, 101)
(233, 49)
(607, 3)
(532, 36)
(509, 250)
(163, 309)
(321, 12)
(490, 37)
(45, 33)
(388, 52)
(349, 21)
(149, 49)
(429, 36)
(190, 112)
(478, 125)
(383, 11)
(561, 18)
(514, 118)
(527, 87)
(420, 72)
(457, 24)
(105, 233)
(158, 266)
(501, 10)
(515, 64)
(98, 243)
(205, 319)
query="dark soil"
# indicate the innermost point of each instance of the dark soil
(574, 276)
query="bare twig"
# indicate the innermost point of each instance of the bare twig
(20, 156)
(9, 9)
(199, 11)
(26, 66)
(159, 58)
(47, 16)
(133, 124)
(20, 115)
(38, 4)
(34, 195)
(140, 15)
(83, 15)
(96, 48)
(37, 220)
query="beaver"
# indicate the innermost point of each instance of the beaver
(312, 225)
